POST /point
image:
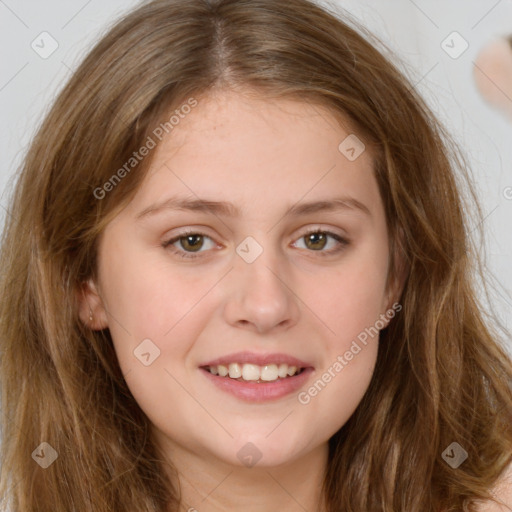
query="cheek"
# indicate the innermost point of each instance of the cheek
(337, 390)
(152, 300)
(145, 294)
(351, 297)
(350, 302)
(352, 312)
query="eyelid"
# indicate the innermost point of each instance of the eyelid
(168, 243)
(341, 240)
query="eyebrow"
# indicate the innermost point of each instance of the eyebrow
(227, 209)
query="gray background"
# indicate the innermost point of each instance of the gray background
(413, 29)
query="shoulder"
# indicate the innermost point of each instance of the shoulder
(502, 492)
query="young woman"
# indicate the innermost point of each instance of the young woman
(236, 275)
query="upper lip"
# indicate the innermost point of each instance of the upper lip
(247, 357)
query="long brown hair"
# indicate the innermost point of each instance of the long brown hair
(441, 375)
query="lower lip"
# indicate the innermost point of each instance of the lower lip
(260, 392)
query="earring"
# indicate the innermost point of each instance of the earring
(90, 314)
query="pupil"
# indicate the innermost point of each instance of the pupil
(193, 237)
(317, 236)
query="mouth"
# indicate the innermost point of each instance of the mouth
(260, 374)
(254, 377)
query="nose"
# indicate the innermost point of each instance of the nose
(260, 295)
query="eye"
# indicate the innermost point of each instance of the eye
(191, 241)
(189, 244)
(317, 239)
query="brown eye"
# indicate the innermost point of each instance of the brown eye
(316, 241)
(191, 242)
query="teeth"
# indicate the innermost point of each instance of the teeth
(223, 370)
(250, 372)
(235, 371)
(253, 372)
(292, 370)
(283, 370)
(269, 372)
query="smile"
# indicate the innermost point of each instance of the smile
(253, 372)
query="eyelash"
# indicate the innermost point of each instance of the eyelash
(188, 255)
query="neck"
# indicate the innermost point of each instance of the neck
(208, 484)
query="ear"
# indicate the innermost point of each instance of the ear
(91, 305)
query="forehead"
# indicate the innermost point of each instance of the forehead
(256, 150)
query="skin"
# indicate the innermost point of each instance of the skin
(264, 156)
(492, 73)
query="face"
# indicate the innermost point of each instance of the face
(290, 275)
